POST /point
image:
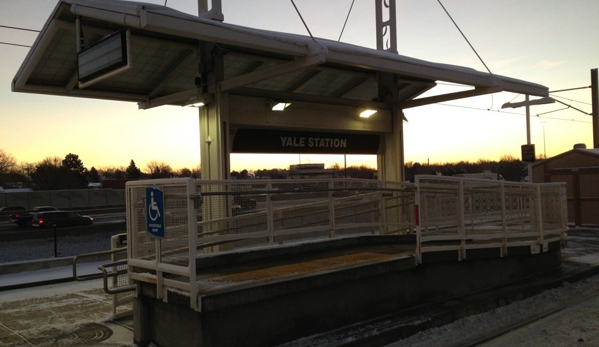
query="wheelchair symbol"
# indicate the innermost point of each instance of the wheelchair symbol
(153, 210)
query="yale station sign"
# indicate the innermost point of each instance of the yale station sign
(281, 141)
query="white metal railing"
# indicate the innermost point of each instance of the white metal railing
(203, 218)
(461, 214)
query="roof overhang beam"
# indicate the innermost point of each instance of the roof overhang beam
(181, 98)
(290, 97)
(317, 58)
(189, 58)
(451, 96)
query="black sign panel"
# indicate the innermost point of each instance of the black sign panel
(110, 54)
(528, 153)
(281, 141)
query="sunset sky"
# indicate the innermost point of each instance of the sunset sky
(550, 42)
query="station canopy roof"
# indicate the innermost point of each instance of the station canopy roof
(166, 58)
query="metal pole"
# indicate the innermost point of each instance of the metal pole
(386, 30)
(202, 6)
(529, 166)
(345, 165)
(544, 143)
(55, 243)
(595, 103)
(215, 12)
(527, 120)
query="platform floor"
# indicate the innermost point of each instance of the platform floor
(65, 314)
(238, 276)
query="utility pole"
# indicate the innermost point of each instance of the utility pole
(595, 103)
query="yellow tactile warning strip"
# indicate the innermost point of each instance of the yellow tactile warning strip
(298, 269)
(229, 277)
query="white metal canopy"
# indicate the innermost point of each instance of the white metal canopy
(170, 50)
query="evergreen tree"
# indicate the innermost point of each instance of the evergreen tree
(75, 171)
(133, 172)
(93, 175)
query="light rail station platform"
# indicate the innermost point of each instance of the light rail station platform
(306, 260)
(266, 302)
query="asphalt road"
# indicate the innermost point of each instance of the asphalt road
(28, 244)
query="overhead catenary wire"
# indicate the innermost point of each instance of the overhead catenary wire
(17, 28)
(14, 44)
(571, 100)
(567, 90)
(516, 114)
(303, 21)
(574, 108)
(346, 18)
(464, 36)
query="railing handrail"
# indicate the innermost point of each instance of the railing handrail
(89, 255)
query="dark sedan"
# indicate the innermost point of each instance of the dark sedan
(244, 202)
(60, 219)
(23, 218)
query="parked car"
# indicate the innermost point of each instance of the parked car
(51, 219)
(344, 193)
(24, 218)
(5, 211)
(244, 202)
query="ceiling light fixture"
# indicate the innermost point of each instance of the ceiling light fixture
(367, 113)
(199, 100)
(279, 106)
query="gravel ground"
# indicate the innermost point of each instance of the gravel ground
(67, 246)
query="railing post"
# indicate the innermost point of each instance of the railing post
(503, 222)
(270, 220)
(331, 209)
(192, 221)
(417, 220)
(461, 220)
(539, 210)
(383, 221)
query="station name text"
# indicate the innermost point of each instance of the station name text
(322, 142)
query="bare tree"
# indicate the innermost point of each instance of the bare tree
(159, 169)
(8, 163)
(184, 172)
(25, 170)
(48, 174)
(197, 172)
(112, 173)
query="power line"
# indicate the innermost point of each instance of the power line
(346, 18)
(17, 28)
(13, 44)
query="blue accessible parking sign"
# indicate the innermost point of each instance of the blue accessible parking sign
(155, 212)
